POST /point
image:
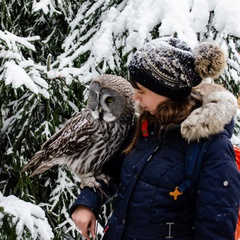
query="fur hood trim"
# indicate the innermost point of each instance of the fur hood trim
(218, 109)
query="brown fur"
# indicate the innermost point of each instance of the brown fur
(210, 60)
(218, 109)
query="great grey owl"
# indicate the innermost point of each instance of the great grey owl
(90, 138)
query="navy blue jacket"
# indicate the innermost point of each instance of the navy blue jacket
(143, 208)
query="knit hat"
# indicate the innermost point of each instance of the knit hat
(169, 67)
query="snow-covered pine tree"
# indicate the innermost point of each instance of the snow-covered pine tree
(35, 101)
(50, 50)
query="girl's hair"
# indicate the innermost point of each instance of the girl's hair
(170, 113)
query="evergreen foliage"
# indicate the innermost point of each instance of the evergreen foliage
(49, 51)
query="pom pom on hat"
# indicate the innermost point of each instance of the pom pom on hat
(169, 67)
(210, 60)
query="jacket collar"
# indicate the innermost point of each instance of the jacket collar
(216, 114)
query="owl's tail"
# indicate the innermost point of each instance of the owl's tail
(39, 164)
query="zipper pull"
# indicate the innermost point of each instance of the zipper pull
(175, 193)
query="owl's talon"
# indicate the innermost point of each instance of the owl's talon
(89, 182)
(104, 178)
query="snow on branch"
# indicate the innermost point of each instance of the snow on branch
(12, 40)
(126, 26)
(17, 70)
(26, 217)
(46, 6)
(13, 70)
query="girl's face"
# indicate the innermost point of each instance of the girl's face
(147, 99)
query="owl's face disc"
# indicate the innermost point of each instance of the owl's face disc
(110, 97)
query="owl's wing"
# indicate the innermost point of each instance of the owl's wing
(76, 134)
(61, 131)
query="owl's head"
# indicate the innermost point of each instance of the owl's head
(110, 98)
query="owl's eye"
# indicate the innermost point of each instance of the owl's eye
(109, 99)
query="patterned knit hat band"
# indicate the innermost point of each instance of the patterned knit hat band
(153, 83)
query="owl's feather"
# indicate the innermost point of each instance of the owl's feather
(90, 138)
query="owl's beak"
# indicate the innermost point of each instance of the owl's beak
(100, 110)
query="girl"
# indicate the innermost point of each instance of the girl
(175, 109)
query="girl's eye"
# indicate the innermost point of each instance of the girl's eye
(140, 92)
(109, 99)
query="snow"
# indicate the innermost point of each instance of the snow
(26, 214)
(47, 6)
(13, 70)
(12, 40)
(138, 17)
(225, 19)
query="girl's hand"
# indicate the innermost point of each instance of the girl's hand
(85, 220)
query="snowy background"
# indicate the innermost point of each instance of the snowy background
(43, 66)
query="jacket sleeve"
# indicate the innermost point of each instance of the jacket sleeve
(94, 199)
(218, 195)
